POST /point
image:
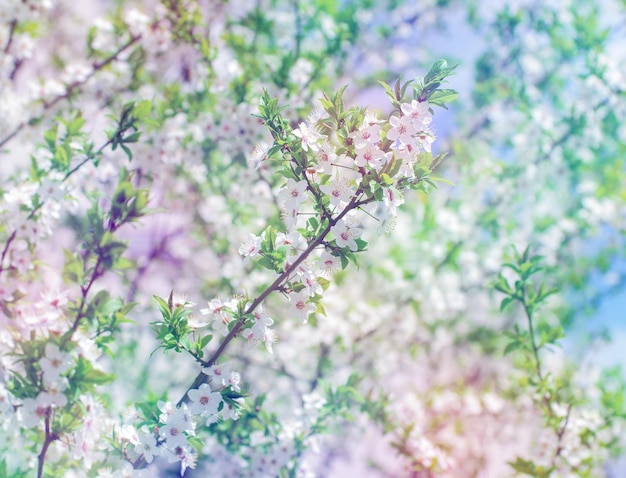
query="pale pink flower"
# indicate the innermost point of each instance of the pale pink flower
(187, 457)
(54, 362)
(371, 156)
(401, 129)
(250, 247)
(292, 241)
(179, 299)
(311, 286)
(6, 407)
(290, 217)
(230, 411)
(362, 137)
(222, 313)
(425, 138)
(53, 395)
(167, 409)
(418, 112)
(407, 154)
(216, 306)
(392, 199)
(53, 300)
(21, 257)
(308, 136)
(196, 322)
(293, 193)
(219, 375)
(372, 123)
(258, 155)
(33, 411)
(326, 158)
(204, 401)
(329, 264)
(346, 235)
(338, 190)
(300, 307)
(147, 447)
(6, 292)
(261, 318)
(174, 435)
(269, 338)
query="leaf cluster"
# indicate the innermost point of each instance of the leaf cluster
(174, 332)
(127, 124)
(429, 89)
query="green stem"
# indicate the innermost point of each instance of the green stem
(531, 329)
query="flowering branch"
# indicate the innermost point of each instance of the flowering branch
(48, 439)
(276, 285)
(12, 27)
(130, 118)
(70, 88)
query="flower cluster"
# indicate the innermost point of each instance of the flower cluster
(339, 162)
(170, 433)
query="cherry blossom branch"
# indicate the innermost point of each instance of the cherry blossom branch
(12, 27)
(96, 67)
(49, 438)
(561, 433)
(319, 369)
(40, 205)
(202, 377)
(6, 248)
(82, 308)
(531, 330)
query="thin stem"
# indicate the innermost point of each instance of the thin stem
(561, 433)
(6, 249)
(41, 458)
(98, 271)
(298, 32)
(531, 329)
(12, 27)
(82, 309)
(319, 370)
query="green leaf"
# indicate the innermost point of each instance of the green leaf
(132, 138)
(142, 109)
(512, 346)
(266, 262)
(389, 92)
(505, 302)
(51, 136)
(100, 300)
(204, 341)
(441, 97)
(123, 264)
(163, 307)
(438, 72)
(61, 159)
(73, 270)
(84, 377)
(441, 180)
(74, 127)
(126, 149)
(529, 468)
